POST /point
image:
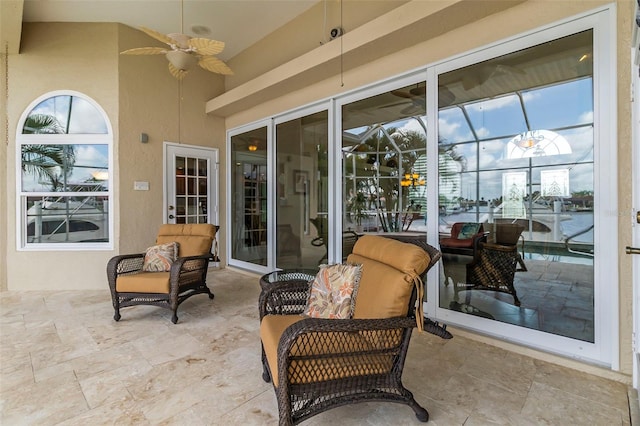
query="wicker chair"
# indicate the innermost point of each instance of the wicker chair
(509, 234)
(493, 269)
(131, 286)
(318, 364)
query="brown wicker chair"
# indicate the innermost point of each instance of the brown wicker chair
(493, 269)
(318, 364)
(131, 286)
(509, 234)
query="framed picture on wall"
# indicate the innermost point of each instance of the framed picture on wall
(300, 179)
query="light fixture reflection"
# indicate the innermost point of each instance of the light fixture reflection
(537, 143)
(412, 179)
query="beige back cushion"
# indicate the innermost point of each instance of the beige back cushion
(388, 271)
(193, 239)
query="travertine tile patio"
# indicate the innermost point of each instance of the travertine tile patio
(63, 360)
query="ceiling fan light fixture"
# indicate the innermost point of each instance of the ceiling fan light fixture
(181, 60)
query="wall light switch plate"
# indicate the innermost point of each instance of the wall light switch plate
(140, 186)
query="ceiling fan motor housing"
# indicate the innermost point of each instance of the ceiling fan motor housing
(181, 60)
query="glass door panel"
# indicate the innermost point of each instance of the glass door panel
(249, 196)
(191, 200)
(302, 191)
(384, 163)
(516, 188)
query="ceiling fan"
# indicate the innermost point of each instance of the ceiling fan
(184, 51)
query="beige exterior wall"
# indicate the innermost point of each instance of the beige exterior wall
(79, 57)
(138, 95)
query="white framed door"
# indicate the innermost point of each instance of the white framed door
(191, 184)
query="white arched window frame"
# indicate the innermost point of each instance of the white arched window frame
(64, 175)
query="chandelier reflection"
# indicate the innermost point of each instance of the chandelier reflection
(537, 143)
(412, 179)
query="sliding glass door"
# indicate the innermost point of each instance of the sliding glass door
(524, 181)
(249, 197)
(517, 158)
(501, 157)
(301, 145)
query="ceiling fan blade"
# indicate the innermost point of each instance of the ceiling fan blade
(215, 65)
(402, 94)
(205, 46)
(176, 72)
(145, 51)
(158, 36)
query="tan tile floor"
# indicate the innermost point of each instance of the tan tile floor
(63, 360)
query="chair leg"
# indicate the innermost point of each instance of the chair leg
(174, 318)
(266, 376)
(421, 413)
(116, 308)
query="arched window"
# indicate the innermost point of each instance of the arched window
(64, 153)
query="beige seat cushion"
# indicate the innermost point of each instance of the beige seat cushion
(348, 348)
(389, 269)
(193, 239)
(145, 282)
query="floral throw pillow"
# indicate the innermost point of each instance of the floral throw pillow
(333, 292)
(159, 258)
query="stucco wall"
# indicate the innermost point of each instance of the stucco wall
(80, 57)
(138, 95)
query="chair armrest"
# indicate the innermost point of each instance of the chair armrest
(187, 270)
(122, 265)
(334, 329)
(125, 264)
(284, 298)
(189, 264)
(480, 237)
(323, 325)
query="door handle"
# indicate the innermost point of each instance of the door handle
(171, 216)
(632, 250)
